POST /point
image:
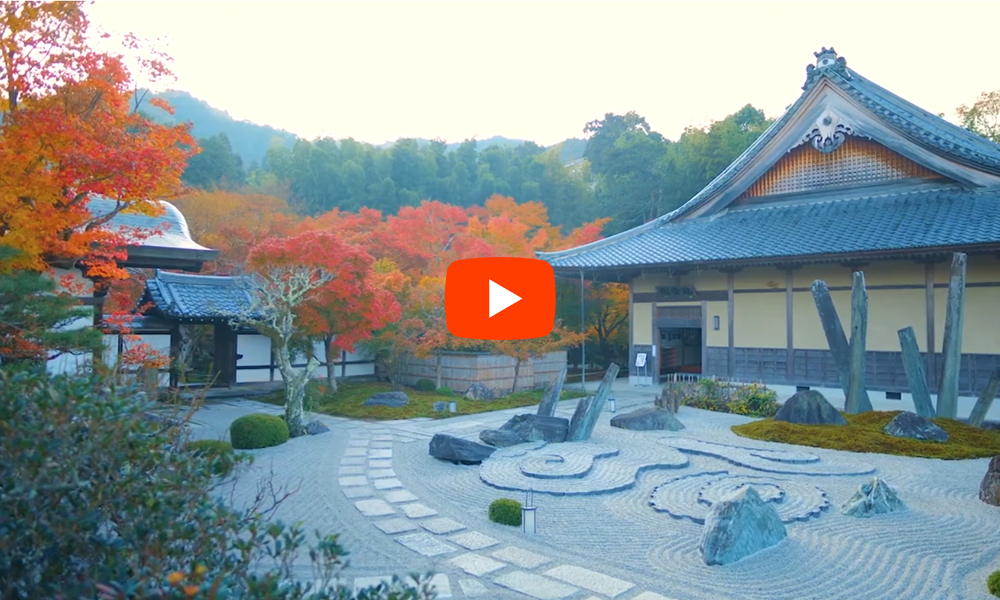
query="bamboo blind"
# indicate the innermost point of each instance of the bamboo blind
(857, 162)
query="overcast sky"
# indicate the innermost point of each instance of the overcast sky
(378, 71)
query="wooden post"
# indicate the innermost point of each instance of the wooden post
(731, 316)
(857, 397)
(913, 364)
(947, 406)
(835, 336)
(985, 400)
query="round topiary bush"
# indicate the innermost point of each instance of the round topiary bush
(506, 512)
(221, 453)
(424, 385)
(993, 583)
(444, 391)
(258, 431)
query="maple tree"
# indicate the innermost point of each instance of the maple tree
(69, 132)
(522, 350)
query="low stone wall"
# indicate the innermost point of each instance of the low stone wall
(459, 370)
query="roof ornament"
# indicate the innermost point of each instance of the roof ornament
(829, 132)
(826, 61)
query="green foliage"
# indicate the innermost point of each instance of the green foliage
(444, 391)
(218, 451)
(258, 430)
(216, 166)
(752, 400)
(424, 385)
(97, 501)
(506, 511)
(864, 433)
(993, 583)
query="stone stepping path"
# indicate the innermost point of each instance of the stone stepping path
(367, 478)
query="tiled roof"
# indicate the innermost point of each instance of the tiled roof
(196, 296)
(174, 232)
(876, 220)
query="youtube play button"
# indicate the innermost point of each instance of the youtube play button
(500, 298)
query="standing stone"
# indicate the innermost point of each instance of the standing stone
(952, 345)
(834, 331)
(809, 407)
(551, 398)
(857, 395)
(916, 376)
(527, 428)
(910, 425)
(985, 400)
(739, 526)
(647, 419)
(873, 498)
(480, 391)
(440, 406)
(989, 489)
(394, 399)
(455, 449)
(589, 409)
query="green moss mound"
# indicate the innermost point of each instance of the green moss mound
(506, 512)
(993, 583)
(220, 452)
(863, 433)
(258, 431)
(444, 391)
(425, 385)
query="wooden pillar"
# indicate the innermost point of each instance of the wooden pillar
(730, 315)
(224, 362)
(789, 320)
(175, 353)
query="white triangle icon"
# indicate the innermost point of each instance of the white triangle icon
(501, 298)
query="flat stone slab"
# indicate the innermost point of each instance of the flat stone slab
(374, 508)
(356, 452)
(417, 510)
(521, 557)
(387, 484)
(382, 437)
(380, 453)
(357, 442)
(352, 460)
(477, 565)
(441, 525)
(381, 473)
(472, 588)
(352, 481)
(393, 399)
(358, 492)
(396, 496)
(651, 596)
(352, 470)
(590, 580)
(397, 525)
(380, 445)
(535, 586)
(380, 463)
(426, 544)
(473, 540)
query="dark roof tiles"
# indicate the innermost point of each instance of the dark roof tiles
(196, 296)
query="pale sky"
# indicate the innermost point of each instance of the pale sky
(378, 71)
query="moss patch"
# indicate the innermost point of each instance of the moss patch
(863, 433)
(347, 402)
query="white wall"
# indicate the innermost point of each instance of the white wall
(256, 351)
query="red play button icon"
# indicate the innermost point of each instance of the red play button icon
(500, 298)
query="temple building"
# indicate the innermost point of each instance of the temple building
(851, 177)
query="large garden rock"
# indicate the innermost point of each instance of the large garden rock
(647, 419)
(527, 428)
(989, 489)
(809, 407)
(393, 399)
(480, 391)
(911, 425)
(459, 451)
(316, 428)
(873, 498)
(739, 526)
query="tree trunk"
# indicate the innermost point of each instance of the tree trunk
(295, 388)
(517, 370)
(331, 369)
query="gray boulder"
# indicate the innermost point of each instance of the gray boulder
(440, 406)
(989, 488)
(527, 428)
(873, 498)
(739, 526)
(459, 451)
(316, 428)
(480, 391)
(647, 419)
(809, 407)
(911, 425)
(394, 399)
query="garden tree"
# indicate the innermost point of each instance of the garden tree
(423, 240)
(35, 317)
(68, 132)
(292, 284)
(522, 350)
(983, 117)
(216, 166)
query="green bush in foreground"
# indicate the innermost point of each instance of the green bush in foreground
(218, 451)
(993, 583)
(444, 391)
(424, 385)
(506, 512)
(258, 430)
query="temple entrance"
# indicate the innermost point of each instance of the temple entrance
(680, 339)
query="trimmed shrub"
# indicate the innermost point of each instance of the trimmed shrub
(219, 452)
(444, 391)
(424, 385)
(993, 583)
(258, 430)
(506, 511)
(752, 400)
